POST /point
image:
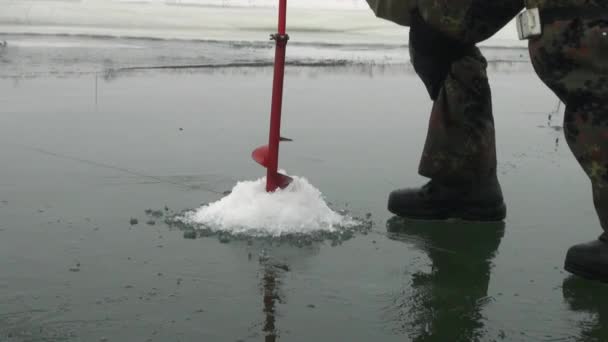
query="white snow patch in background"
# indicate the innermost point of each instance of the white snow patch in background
(249, 209)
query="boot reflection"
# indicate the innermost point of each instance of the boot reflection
(445, 303)
(588, 297)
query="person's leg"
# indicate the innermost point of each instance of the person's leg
(571, 57)
(460, 153)
(460, 145)
(586, 131)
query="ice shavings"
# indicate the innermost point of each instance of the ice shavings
(250, 210)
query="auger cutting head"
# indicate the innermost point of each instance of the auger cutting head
(274, 180)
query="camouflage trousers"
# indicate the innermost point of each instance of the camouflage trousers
(571, 58)
(460, 144)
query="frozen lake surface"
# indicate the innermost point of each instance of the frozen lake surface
(104, 140)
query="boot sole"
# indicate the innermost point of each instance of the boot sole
(585, 272)
(494, 213)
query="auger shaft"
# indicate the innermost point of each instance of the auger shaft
(272, 181)
(268, 156)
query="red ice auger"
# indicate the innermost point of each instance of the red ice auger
(268, 156)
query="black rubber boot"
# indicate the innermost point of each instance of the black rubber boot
(480, 201)
(589, 260)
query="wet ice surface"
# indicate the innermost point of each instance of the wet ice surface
(109, 38)
(30, 56)
(85, 158)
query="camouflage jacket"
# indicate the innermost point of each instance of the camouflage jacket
(397, 11)
(470, 21)
(548, 4)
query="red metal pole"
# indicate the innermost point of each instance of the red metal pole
(282, 16)
(272, 177)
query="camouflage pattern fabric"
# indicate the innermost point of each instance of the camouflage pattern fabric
(550, 4)
(460, 144)
(571, 58)
(469, 21)
(397, 11)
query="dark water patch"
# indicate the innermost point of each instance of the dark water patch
(589, 298)
(231, 43)
(557, 128)
(445, 302)
(154, 213)
(262, 43)
(141, 53)
(252, 64)
(306, 68)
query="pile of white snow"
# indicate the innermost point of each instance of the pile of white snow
(250, 210)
